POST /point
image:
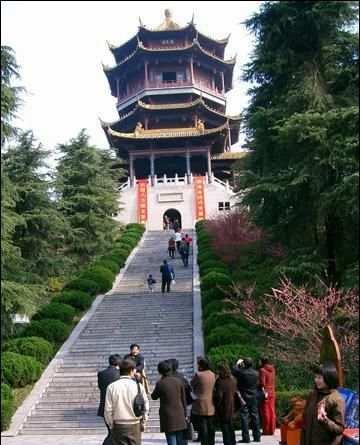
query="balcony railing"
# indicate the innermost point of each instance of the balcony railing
(159, 84)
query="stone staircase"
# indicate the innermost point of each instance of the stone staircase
(161, 323)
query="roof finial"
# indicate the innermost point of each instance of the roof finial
(167, 13)
(192, 18)
(141, 23)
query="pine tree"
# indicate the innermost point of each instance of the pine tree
(86, 190)
(302, 124)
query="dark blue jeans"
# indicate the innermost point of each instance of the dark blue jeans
(249, 415)
(175, 438)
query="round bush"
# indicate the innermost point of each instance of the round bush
(134, 233)
(130, 242)
(122, 249)
(232, 352)
(75, 298)
(209, 265)
(56, 311)
(54, 331)
(119, 260)
(107, 264)
(205, 255)
(137, 226)
(103, 277)
(216, 320)
(226, 335)
(215, 307)
(19, 370)
(84, 285)
(35, 347)
(6, 392)
(7, 411)
(213, 279)
(210, 295)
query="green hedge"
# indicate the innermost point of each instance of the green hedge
(210, 264)
(214, 320)
(118, 259)
(213, 279)
(6, 392)
(107, 264)
(54, 331)
(227, 335)
(75, 298)
(35, 347)
(56, 311)
(122, 249)
(136, 226)
(231, 353)
(215, 307)
(84, 285)
(103, 277)
(7, 411)
(214, 294)
(19, 370)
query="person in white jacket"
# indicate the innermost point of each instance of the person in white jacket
(119, 412)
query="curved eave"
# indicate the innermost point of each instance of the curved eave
(169, 134)
(116, 50)
(221, 42)
(141, 48)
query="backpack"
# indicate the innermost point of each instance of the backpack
(139, 403)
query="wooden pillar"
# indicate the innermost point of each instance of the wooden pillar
(152, 164)
(146, 73)
(188, 164)
(131, 169)
(209, 164)
(192, 70)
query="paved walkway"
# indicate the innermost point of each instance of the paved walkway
(147, 439)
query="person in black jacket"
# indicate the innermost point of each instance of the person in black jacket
(105, 377)
(247, 382)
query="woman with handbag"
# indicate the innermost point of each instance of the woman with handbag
(171, 392)
(224, 399)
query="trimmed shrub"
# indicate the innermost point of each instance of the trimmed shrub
(215, 307)
(103, 277)
(221, 270)
(136, 226)
(7, 411)
(205, 255)
(118, 259)
(6, 392)
(226, 335)
(54, 331)
(215, 320)
(84, 285)
(56, 311)
(135, 233)
(107, 264)
(231, 353)
(213, 279)
(208, 265)
(35, 347)
(19, 370)
(122, 249)
(75, 298)
(210, 295)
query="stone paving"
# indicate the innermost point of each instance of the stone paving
(147, 439)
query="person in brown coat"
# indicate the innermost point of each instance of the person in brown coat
(171, 392)
(224, 399)
(203, 409)
(324, 411)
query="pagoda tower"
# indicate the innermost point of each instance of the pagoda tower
(173, 135)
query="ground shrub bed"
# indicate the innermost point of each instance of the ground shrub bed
(24, 357)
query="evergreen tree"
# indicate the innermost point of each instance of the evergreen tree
(302, 124)
(10, 95)
(42, 233)
(87, 194)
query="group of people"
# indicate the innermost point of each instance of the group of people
(211, 396)
(181, 243)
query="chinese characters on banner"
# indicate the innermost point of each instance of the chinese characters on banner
(199, 197)
(142, 200)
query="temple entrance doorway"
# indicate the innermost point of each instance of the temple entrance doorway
(172, 219)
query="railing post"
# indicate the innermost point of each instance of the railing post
(176, 178)
(165, 179)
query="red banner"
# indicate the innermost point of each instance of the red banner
(199, 197)
(142, 200)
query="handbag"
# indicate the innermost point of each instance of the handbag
(139, 403)
(189, 432)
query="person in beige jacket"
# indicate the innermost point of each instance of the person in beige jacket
(203, 409)
(119, 406)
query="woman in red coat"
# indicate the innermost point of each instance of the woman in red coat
(267, 406)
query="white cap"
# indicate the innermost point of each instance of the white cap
(239, 362)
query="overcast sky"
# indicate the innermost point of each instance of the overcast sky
(60, 45)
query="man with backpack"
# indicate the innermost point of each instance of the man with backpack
(126, 405)
(167, 275)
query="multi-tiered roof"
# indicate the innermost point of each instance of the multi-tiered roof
(170, 83)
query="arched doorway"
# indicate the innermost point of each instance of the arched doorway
(172, 215)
